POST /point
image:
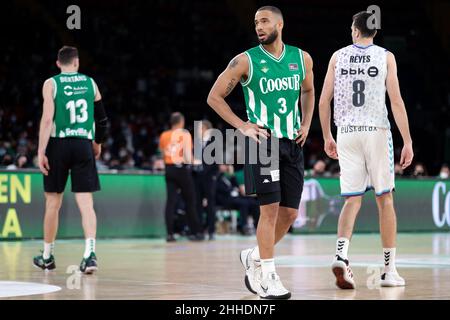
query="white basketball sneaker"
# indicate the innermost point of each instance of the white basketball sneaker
(272, 288)
(343, 273)
(392, 279)
(253, 273)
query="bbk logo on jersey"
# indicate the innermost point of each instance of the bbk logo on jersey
(279, 84)
(371, 71)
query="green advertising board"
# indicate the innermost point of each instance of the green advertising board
(132, 205)
(128, 205)
(421, 205)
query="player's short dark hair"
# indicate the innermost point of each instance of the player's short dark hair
(66, 54)
(176, 118)
(360, 22)
(271, 9)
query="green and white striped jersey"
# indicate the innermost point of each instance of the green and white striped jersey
(272, 90)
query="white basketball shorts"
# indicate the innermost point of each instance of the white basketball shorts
(366, 159)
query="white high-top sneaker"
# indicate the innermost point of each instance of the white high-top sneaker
(272, 288)
(343, 273)
(391, 279)
(253, 271)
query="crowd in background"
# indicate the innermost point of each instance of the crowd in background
(147, 70)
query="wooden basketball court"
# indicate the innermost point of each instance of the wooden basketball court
(153, 269)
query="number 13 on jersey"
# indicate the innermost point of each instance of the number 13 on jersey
(77, 105)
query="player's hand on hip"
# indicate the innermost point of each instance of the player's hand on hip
(254, 131)
(331, 148)
(97, 149)
(302, 135)
(407, 155)
(43, 164)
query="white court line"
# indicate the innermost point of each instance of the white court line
(10, 289)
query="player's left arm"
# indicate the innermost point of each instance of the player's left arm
(306, 100)
(45, 128)
(101, 122)
(326, 96)
(399, 110)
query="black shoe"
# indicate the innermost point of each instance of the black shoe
(44, 264)
(89, 265)
(246, 231)
(197, 237)
(171, 238)
(211, 237)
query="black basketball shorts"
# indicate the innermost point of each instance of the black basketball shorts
(74, 156)
(278, 180)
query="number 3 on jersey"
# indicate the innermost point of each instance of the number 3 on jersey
(283, 107)
(73, 106)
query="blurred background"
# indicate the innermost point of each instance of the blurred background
(151, 58)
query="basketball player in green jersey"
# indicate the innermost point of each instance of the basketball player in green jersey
(73, 116)
(272, 76)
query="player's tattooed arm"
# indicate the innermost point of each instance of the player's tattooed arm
(224, 85)
(238, 66)
(232, 83)
(230, 86)
(233, 63)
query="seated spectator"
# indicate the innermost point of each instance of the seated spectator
(239, 175)
(398, 169)
(419, 170)
(229, 197)
(158, 164)
(334, 169)
(445, 172)
(20, 163)
(7, 160)
(318, 170)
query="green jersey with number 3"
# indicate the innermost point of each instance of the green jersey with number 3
(74, 95)
(272, 90)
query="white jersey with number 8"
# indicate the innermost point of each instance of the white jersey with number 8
(360, 87)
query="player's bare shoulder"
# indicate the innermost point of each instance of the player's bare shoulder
(48, 88)
(239, 61)
(307, 57)
(48, 83)
(390, 59)
(333, 59)
(239, 65)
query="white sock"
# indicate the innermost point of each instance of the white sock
(267, 266)
(342, 247)
(89, 247)
(255, 254)
(389, 260)
(48, 249)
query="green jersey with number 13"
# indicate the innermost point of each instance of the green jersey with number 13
(74, 95)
